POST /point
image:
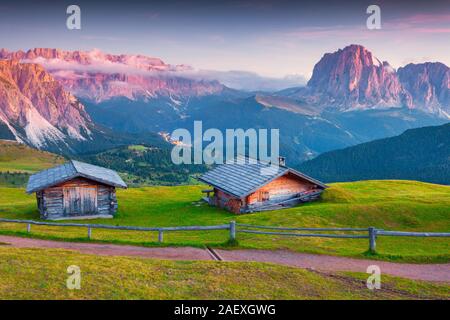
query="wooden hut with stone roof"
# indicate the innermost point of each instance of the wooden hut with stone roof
(247, 185)
(76, 190)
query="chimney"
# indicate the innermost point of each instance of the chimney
(282, 161)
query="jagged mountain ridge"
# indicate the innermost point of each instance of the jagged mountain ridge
(99, 76)
(428, 85)
(349, 79)
(37, 110)
(310, 121)
(354, 79)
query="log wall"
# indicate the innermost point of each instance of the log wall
(58, 201)
(280, 189)
(226, 201)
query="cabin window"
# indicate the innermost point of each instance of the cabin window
(263, 196)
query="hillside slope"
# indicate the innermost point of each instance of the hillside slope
(418, 154)
(17, 157)
(144, 165)
(18, 161)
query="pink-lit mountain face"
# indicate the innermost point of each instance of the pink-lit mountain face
(98, 76)
(36, 109)
(429, 86)
(354, 79)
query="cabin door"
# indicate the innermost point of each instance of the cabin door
(80, 201)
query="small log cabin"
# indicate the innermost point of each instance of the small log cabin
(247, 185)
(75, 190)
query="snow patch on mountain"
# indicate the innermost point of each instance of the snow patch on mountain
(39, 130)
(11, 129)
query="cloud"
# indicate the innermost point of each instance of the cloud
(96, 38)
(250, 81)
(141, 66)
(420, 19)
(420, 23)
(409, 25)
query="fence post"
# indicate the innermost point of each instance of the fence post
(372, 239)
(160, 236)
(233, 230)
(29, 227)
(89, 232)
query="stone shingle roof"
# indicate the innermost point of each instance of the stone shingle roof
(244, 176)
(70, 170)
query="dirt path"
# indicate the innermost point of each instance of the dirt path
(428, 272)
(170, 253)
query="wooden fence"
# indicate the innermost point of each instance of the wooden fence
(231, 227)
(370, 233)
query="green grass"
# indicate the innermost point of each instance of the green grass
(138, 148)
(390, 205)
(16, 157)
(42, 274)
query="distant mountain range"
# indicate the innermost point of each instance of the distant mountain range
(418, 154)
(73, 101)
(36, 109)
(98, 76)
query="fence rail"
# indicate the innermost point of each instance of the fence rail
(371, 233)
(90, 227)
(300, 229)
(412, 234)
(319, 235)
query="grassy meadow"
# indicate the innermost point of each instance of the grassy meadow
(390, 205)
(41, 274)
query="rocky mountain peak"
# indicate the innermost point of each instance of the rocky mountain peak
(353, 78)
(35, 107)
(429, 86)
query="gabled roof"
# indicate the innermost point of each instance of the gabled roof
(70, 170)
(244, 176)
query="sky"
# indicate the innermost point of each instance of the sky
(275, 39)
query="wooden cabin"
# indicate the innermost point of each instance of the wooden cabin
(76, 190)
(248, 185)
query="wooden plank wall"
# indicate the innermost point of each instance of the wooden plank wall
(226, 201)
(51, 200)
(280, 189)
(53, 204)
